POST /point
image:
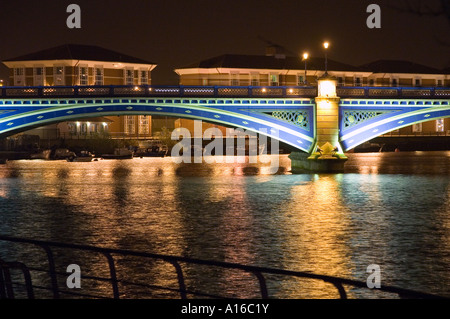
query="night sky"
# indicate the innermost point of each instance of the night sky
(177, 33)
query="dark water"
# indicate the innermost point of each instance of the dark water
(389, 209)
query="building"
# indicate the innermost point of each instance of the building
(84, 65)
(277, 69)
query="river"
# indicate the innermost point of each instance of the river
(388, 209)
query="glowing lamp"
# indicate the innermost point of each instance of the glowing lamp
(327, 88)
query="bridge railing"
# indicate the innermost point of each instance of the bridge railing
(219, 91)
(156, 91)
(111, 282)
(393, 92)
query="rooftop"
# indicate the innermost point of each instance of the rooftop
(269, 62)
(79, 52)
(399, 66)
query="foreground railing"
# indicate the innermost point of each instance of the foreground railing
(112, 258)
(218, 91)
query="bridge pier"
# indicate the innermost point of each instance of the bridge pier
(326, 156)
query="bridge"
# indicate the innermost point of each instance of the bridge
(306, 118)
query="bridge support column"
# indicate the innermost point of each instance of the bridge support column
(327, 155)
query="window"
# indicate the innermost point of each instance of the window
(417, 128)
(83, 75)
(19, 76)
(234, 79)
(143, 77)
(300, 80)
(371, 82)
(129, 76)
(130, 125)
(58, 75)
(273, 80)
(440, 125)
(38, 75)
(254, 79)
(394, 82)
(98, 76)
(439, 83)
(357, 81)
(144, 127)
(417, 82)
(340, 81)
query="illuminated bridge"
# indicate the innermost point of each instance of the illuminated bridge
(302, 117)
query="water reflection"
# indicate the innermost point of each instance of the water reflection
(388, 209)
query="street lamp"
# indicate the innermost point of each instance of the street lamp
(305, 57)
(326, 45)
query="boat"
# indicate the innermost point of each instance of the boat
(119, 153)
(154, 151)
(84, 156)
(61, 154)
(45, 155)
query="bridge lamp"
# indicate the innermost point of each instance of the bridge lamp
(78, 124)
(264, 90)
(305, 57)
(326, 44)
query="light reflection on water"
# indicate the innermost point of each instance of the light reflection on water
(331, 224)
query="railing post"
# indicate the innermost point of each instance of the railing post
(113, 274)
(52, 271)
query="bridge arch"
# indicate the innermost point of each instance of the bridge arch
(363, 120)
(290, 122)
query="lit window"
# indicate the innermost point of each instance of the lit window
(254, 79)
(83, 74)
(234, 79)
(144, 125)
(417, 128)
(129, 76)
(143, 77)
(440, 125)
(38, 76)
(130, 124)
(98, 71)
(58, 75)
(273, 79)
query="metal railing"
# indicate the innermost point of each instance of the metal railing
(393, 92)
(219, 91)
(111, 258)
(155, 91)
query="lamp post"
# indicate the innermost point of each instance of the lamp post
(326, 45)
(305, 57)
